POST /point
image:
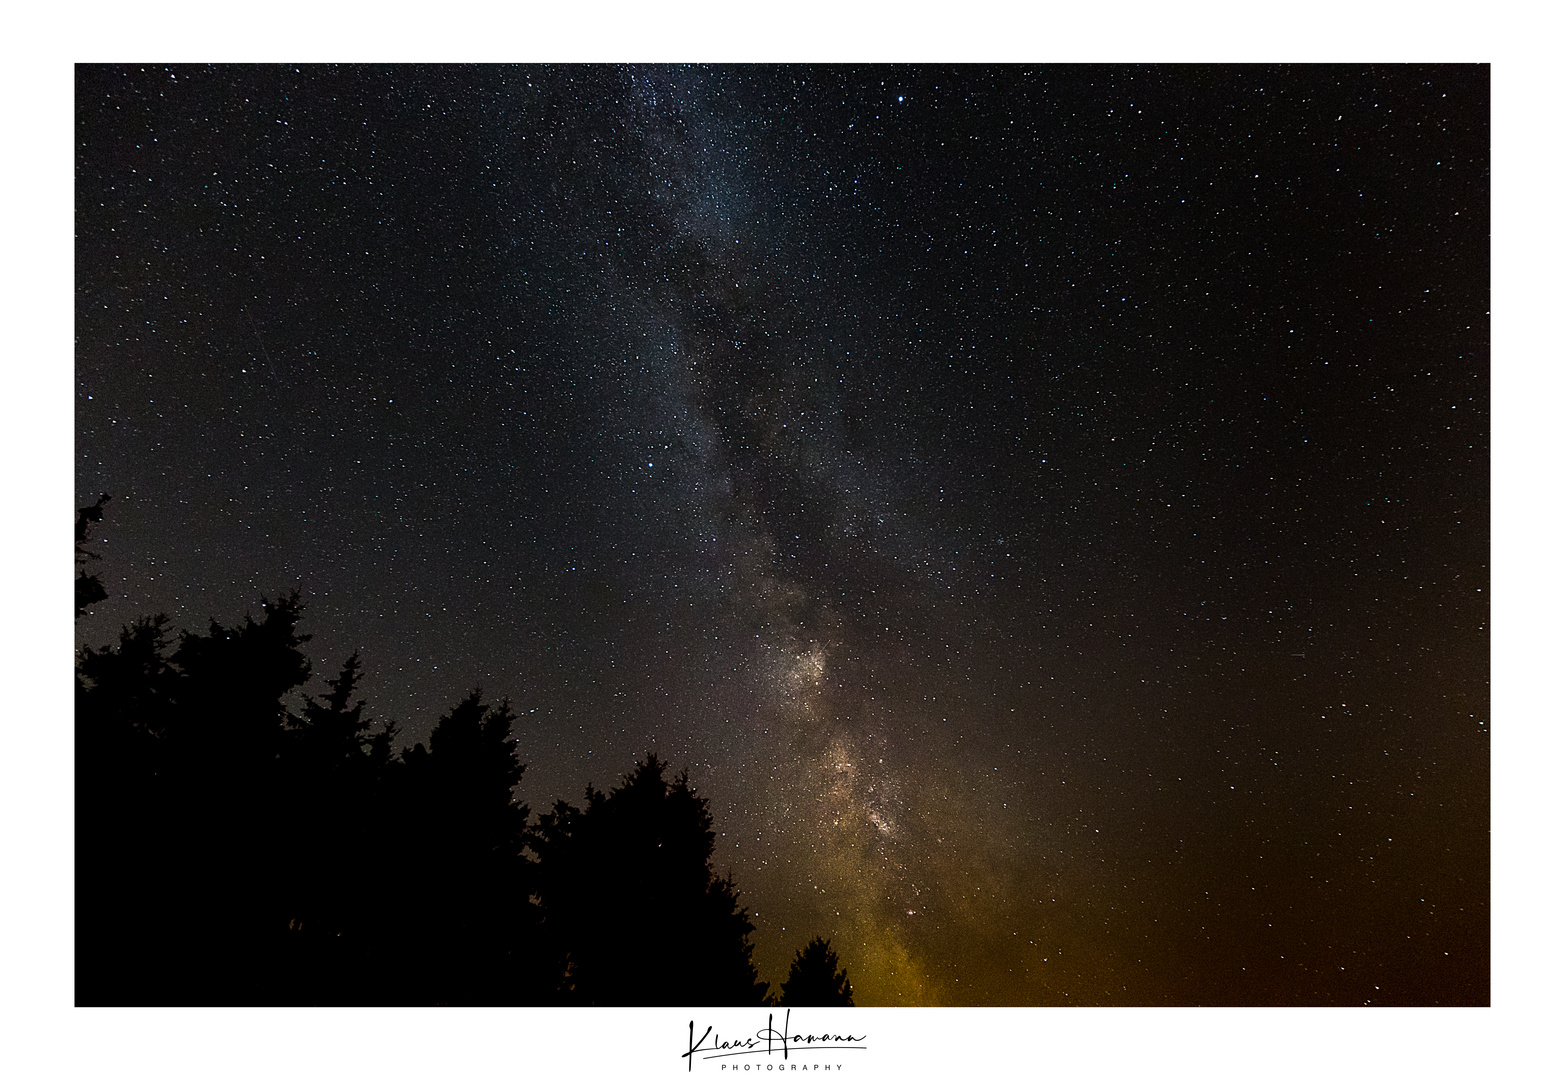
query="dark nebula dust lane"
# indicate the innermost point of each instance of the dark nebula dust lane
(1045, 510)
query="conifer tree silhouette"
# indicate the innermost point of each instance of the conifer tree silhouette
(183, 755)
(231, 850)
(89, 587)
(813, 978)
(630, 898)
(331, 861)
(463, 867)
(124, 695)
(333, 732)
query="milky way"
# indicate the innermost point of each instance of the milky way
(1046, 511)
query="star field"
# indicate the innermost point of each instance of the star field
(1046, 510)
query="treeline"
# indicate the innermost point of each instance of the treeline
(240, 842)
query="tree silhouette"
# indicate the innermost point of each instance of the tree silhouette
(178, 826)
(124, 696)
(461, 865)
(332, 734)
(813, 978)
(630, 899)
(331, 861)
(235, 847)
(89, 588)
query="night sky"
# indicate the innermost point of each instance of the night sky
(1046, 510)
